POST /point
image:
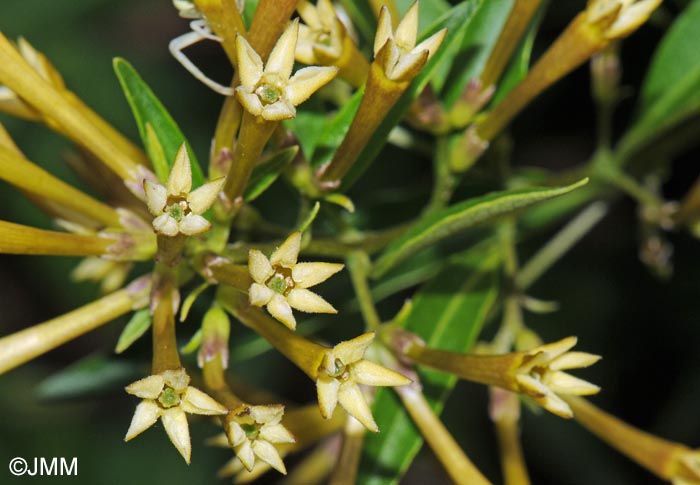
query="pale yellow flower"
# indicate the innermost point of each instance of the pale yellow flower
(539, 375)
(187, 9)
(168, 396)
(280, 282)
(686, 470)
(253, 432)
(619, 18)
(271, 93)
(342, 372)
(322, 35)
(403, 59)
(177, 209)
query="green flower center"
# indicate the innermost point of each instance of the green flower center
(169, 397)
(337, 370)
(251, 430)
(323, 37)
(176, 212)
(269, 94)
(277, 284)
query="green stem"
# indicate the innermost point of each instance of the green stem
(512, 321)
(560, 244)
(456, 463)
(358, 265)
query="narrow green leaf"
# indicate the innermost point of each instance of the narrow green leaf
(156, 154)
(459, 217)
(148, 110)
(248, 11)
(335, 131)
(680, 102)
(267, 172)
(477, 43)
(457, 20)
(310, 217)
(519, 64)
(428, 12)
(138, 325)
(671, 90)
(447, 313)
(362, 17)
(90, 376)
(193, 344)
(677, 52)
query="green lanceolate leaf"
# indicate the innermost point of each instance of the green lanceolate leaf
(154, 123)
(519, 64)
(428, 12)
(362, 17)
(454, 219)
(676, 53)
(671, 89)
(267, 172)
(336, 130)
(475, 48)
(138, 325)
(457, 20)
(89, 376)
(447, 313)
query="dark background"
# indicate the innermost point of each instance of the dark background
(647, 330)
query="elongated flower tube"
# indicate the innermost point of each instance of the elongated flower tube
(280, 282)
(254, 432)
(504, 411)
(397, 60)
(223, 18)
(268, 95)
(537, 373)
(34, 180)
(74, 120)
(603, 22)
(25, 345)
(178, 209)
(670, 461)
(168, 396)
(324, 41)
(338, 372)
(459, 467)
(518, 20)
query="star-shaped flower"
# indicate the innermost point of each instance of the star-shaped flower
(343, 370)
(401, 59)
(619, 18)
(321, 40)
(270, 93)
(168, 396)
(281, 283)
(539, 375)
(177, 209)
(253, 432)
